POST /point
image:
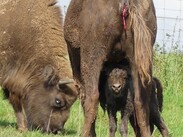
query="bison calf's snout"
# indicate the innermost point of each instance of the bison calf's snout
(116, 87)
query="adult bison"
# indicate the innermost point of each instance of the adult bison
(34, 69)
(92, 29)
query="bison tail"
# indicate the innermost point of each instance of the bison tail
(142, 44)
(159, 93)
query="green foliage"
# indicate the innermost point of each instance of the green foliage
(167, 67)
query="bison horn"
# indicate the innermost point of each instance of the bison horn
(65, 81)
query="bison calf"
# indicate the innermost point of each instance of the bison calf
(116, 94)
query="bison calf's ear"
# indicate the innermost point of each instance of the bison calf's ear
(49, 76)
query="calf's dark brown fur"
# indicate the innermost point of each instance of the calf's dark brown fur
(116, 94)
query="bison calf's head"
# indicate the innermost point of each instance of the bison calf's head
(117, 81)
(47, 105)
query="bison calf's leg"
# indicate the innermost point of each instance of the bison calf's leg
(112, 121)
(124, 126)
(128, 111)
(15, 100)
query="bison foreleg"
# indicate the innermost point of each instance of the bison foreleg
(92, 131)
(17, 106)
(21, 122)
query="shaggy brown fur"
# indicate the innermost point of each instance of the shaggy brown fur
(33, 63)
(116, 94)
(92, 29)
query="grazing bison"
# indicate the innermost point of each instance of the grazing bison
(34, 69)
(116, 94)
(92, 28)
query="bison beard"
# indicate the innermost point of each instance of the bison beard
(92, 28)
(34, 68)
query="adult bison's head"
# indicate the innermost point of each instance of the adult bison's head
(47, 105)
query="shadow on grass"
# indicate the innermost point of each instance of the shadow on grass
(4, 123)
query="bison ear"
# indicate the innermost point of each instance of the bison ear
(49, 76)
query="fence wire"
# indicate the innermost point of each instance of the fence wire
(170, 24)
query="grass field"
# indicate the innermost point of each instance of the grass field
(167, 67)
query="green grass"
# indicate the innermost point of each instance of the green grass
(167, 67)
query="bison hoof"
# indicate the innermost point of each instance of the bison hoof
(22, 129)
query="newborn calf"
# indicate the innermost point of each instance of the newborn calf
(116, 94)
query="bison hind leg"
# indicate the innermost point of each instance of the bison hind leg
(159, 122)
(133, 122)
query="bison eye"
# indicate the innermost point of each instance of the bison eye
(59, 103)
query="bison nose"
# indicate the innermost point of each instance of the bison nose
(57, 130)
(116, 86)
